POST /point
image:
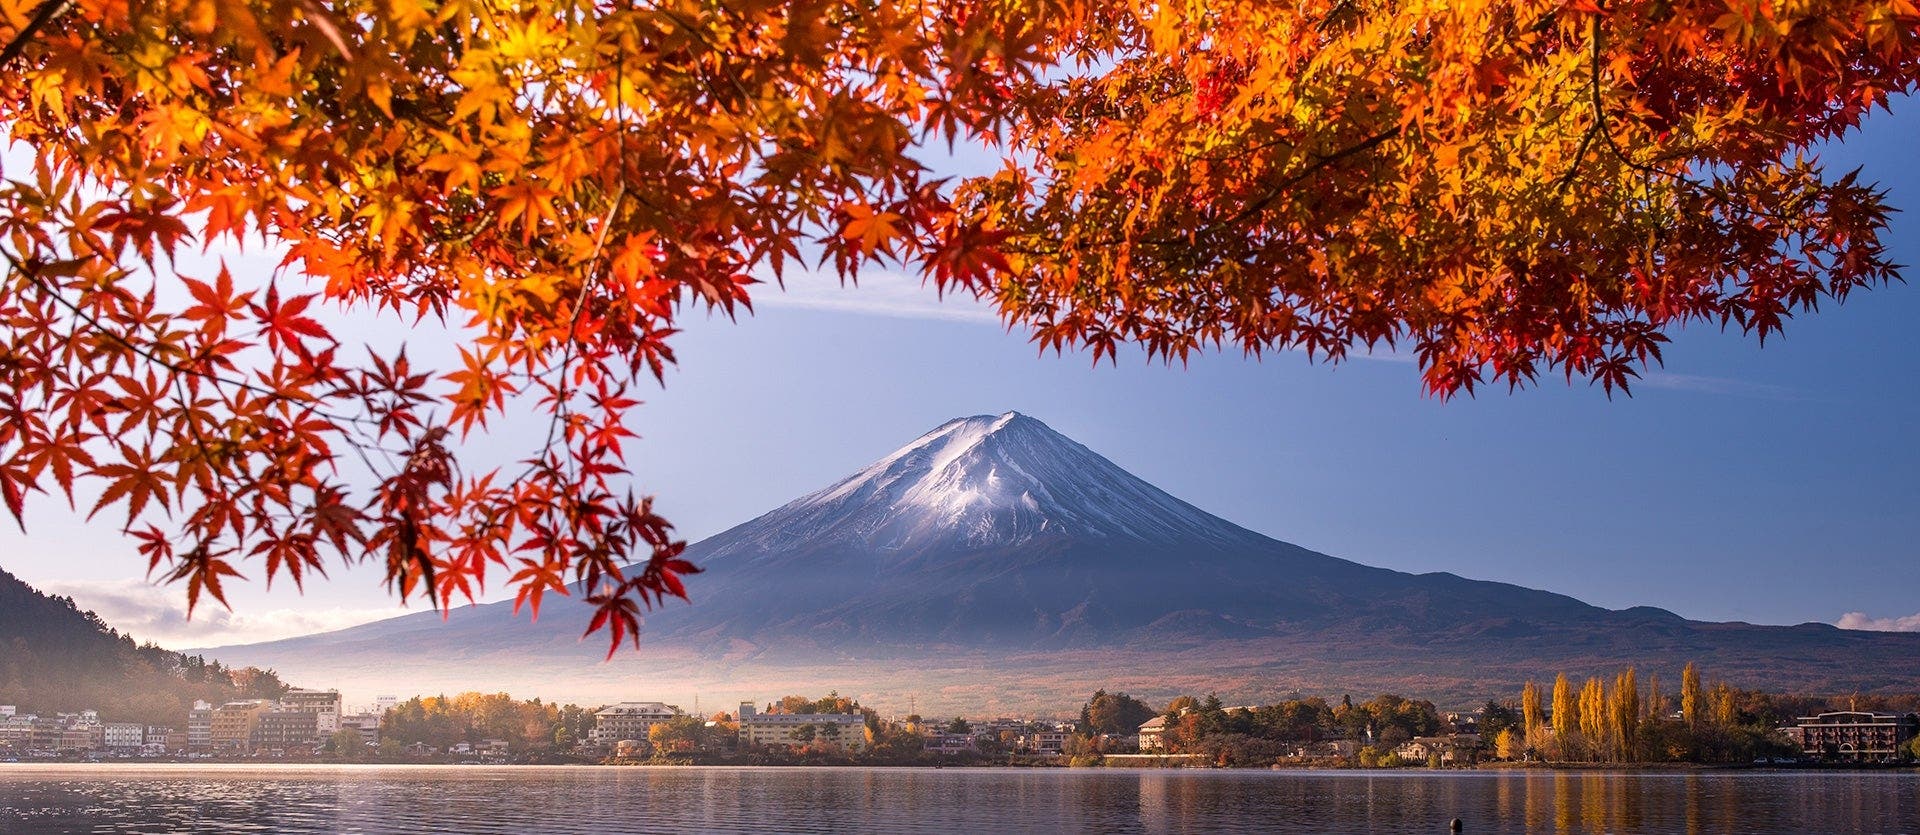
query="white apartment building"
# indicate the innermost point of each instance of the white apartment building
(847, 730)
(200, 727)
(123, 735)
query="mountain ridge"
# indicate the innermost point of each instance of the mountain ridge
(994, 545)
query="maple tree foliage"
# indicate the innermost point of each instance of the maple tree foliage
(1505, 186)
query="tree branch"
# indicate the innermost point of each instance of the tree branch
(42, 16)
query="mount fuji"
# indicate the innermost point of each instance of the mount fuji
(995, 563)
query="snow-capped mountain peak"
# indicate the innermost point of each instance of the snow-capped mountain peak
(988, 480)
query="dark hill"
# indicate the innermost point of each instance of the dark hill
(54, 657)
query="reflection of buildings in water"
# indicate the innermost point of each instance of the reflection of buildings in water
(1156, 813)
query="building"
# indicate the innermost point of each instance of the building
(630, 720)
(368, 724)
(946, 743)
(323, 704)
(200, 727)
(1151, 735)
(233, 723)
(283, 729)
(122, 736)
(1857, 735)
(793, 730)
(1048, 742)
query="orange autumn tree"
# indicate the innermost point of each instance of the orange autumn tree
(1505, 187)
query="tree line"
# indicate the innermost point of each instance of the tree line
(1624, 721)
(57, 657)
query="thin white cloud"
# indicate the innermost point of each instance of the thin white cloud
(159, 614)
(883, 294)
(1716, 385)
(1860, 620)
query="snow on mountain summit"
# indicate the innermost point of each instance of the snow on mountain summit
(988, 480)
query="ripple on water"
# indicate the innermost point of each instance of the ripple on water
(371, 800)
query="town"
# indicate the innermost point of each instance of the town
(302, 725)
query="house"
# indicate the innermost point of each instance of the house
(946, 743)
(1857, 735)
(1046, 742)
(1150, 735)
(1452, 748)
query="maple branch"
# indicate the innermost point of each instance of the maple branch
(1273, 193)
(573, 325)
(1300, 176)
(1604, 128)
(42, 16)
(31, 271)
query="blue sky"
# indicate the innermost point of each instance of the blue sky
(1774, 485)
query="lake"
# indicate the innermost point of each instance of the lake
(563, 799)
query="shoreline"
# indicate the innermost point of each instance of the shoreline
(1035, 765)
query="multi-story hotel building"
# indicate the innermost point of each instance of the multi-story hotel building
(1856, 735)
(323, 704)
(233, 723)
(630, 720)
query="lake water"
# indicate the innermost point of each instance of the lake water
(380, 799)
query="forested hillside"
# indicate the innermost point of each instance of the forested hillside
(55, 657)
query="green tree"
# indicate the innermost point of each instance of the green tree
(1114, 713)
(959, 726)
(347, 745)
(1496, 717)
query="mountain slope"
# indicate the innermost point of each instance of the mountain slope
(996, 557)
(55, 657)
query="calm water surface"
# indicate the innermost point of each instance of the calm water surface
(380, 799)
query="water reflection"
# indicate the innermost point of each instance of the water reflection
(367, 799)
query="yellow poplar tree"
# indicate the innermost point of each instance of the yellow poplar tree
(1690, 696)
(1625, 714)
(1565, 715)
(1530, 716)
(1593, 714)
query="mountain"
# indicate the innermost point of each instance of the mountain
(54, 657)
(994, 561)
